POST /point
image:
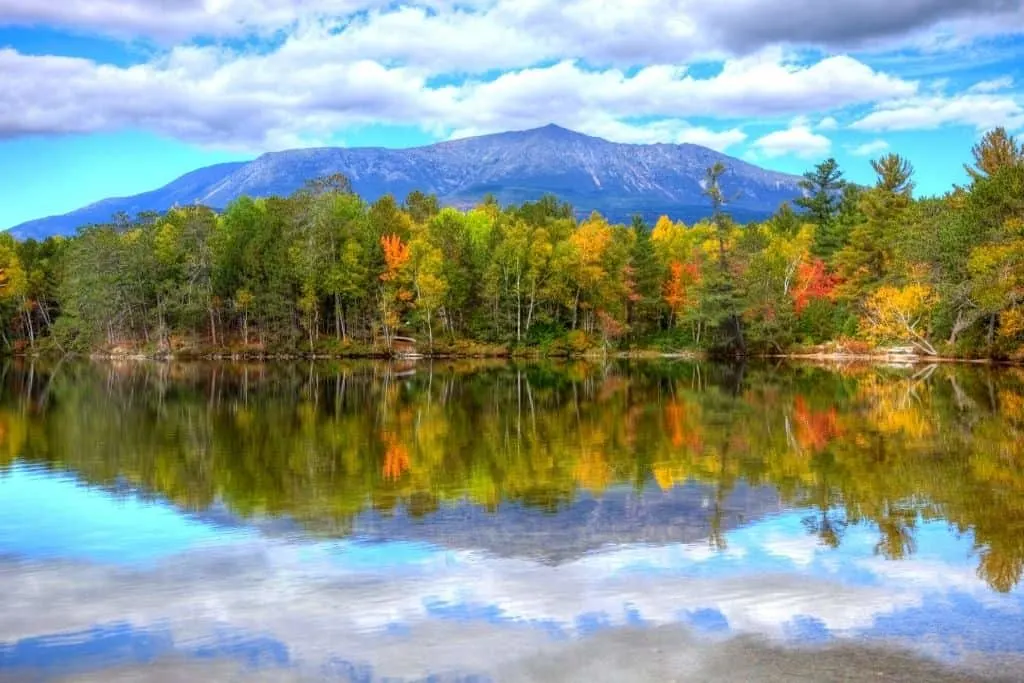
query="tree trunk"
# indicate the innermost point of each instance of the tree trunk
(519, 306)
(28, 325)
(959, 326)
(529, 310)
(213, 326)
(337, 317)
(46, 316)
(576, 309)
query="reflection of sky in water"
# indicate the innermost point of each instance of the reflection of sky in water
(55, 517)
(773, 579)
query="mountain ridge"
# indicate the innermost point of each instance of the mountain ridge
(591, 173)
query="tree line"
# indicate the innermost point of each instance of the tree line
(324, 271)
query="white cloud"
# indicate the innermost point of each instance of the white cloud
(718, 140)
(248, 101)
(179, 20)
(993, 85)
(759, 86)
(212, 97)
(869, 148)
(828, 123)
(597, 65)
(798, 140)
(639, 31)
(982, 111)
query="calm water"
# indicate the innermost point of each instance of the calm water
(583, 522)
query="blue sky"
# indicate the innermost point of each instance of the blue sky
(114, 97)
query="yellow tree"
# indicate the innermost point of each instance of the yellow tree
(997, 278)
(901, 314)
(671, 240)
(13, 282)
(427, 265)
(590, 241)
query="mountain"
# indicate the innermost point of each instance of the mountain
(620, 515)
(591, 173)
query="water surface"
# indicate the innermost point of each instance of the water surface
(486, 521)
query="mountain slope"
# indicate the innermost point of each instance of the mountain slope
(590, 173)
(184, 190)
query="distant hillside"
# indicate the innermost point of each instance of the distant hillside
(590, 173)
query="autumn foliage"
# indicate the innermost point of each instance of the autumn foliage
(396, 458)
(676, 291)
(396, 256)
(815, 429)
(813, 281)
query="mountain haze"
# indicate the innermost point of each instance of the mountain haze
(590, 173)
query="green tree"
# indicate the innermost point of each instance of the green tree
(870, 258)
(720, 293)
(823, 188)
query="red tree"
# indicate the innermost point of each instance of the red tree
(813, 281)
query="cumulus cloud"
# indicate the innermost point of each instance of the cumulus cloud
(760, 86)
(798, 140)
(637, 32)
(982, 111)
(233, 104)
(598, 66)
(869, 148)
(212, 97)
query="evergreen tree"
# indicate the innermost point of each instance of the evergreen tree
(645, 304)
(823, 189)
(721, 296)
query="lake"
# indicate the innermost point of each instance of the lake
(486, 521)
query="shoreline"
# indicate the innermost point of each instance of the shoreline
(494, 354)
(891, 358)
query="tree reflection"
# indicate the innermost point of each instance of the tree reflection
(323, 442)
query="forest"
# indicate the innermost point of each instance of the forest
(846, 267)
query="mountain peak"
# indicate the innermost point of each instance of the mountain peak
(549, 132)
(553, 130)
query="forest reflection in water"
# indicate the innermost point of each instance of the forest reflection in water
(321, 443)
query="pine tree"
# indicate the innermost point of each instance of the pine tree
(997, 149)
(643, 312)
(823, 187)
(721, 296)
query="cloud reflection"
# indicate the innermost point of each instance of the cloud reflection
(114, 567)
